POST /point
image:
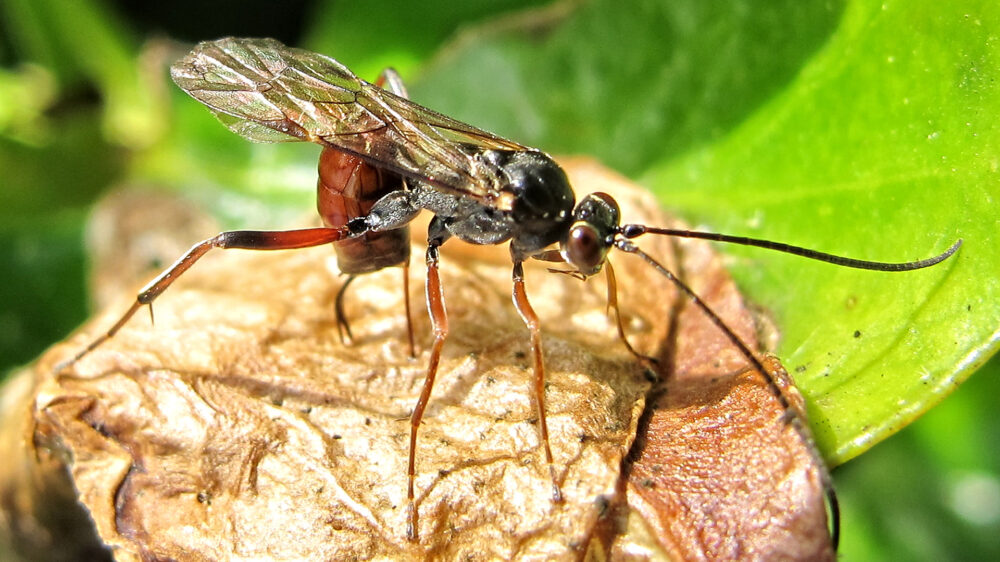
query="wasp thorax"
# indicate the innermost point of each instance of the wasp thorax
(542, 198)
(592, 233)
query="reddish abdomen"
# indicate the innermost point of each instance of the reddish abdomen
(347, 189)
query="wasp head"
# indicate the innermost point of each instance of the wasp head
(592, 233)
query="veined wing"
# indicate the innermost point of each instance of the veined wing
(268, 92)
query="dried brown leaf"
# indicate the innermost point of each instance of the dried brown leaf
(719, 471)
(239, 427)
(40, 517)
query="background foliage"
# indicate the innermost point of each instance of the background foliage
(868, 129)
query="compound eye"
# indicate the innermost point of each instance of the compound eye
(585, 249)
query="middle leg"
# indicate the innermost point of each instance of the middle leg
(439, 325)
(531, 321)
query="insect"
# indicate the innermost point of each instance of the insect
(395, 158)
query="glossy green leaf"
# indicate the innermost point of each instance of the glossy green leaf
(883, 147)
(931, 492)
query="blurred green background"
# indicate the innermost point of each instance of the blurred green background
(863, 128)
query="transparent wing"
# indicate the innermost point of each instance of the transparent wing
(268, 92)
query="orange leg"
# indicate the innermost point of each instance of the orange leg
(609, 273)
(531, 320)
(439, 324)
(235, 239)
(344, 328)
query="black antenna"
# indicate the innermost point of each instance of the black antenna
(635, 230)
(791, 413)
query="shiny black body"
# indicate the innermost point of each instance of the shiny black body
(540, 215)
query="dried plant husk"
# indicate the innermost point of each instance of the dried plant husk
(240, 427)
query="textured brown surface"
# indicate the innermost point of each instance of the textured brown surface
(720, 478)
(717, 473)
(239, 427)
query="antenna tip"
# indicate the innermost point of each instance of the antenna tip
(954, 248)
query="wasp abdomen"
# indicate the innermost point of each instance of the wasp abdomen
(347, 189)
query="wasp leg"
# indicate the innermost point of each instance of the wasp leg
(531, 321)
(439, 325)
(609, 273)
(343, 328)
(406, 303)
(234, 239)
(390, 80)
(556, 257)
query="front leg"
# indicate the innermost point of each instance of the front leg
(553, 256)
(531, 321)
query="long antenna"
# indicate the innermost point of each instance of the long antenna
(634, 230)
(796, 419)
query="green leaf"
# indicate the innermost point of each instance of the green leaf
(633, 86)
(881, 149)
(931, 492)
(58, 150)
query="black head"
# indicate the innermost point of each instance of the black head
(542, 203)
(595, 224)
